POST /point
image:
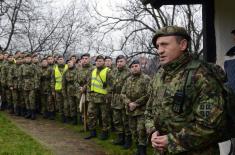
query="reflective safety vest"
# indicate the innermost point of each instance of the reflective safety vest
(97, 81)
(58, 77)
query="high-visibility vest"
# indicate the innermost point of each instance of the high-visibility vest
(58, 77)
(98, 80)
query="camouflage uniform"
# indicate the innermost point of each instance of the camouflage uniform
(30, 84)
(4, 70)
(134, 90)
(37, 92)
(192, 131)
(120, 119)
(59, 99)
(69, 89)
(45, 89)
(12, 82)
(51, 98)
(21, 101)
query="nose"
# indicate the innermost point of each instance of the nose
(160, 50)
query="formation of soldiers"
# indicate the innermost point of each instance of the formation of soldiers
(119, 98)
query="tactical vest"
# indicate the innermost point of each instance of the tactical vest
(58, 77)
(98, 81)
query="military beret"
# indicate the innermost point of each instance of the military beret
(134, 62)
(60, 56)
(233, 31)
(99, 57)
(44, 58)
(120, 57)
(28, 55)
(73, 56)
(85, 55)
(107, 57)
(170, 31)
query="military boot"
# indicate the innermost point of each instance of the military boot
(11, 109)
(104, 135)
(17, 111)
(45, 114)
(74, 120)
(33, 114)
(22, 112)
(120, 140)
(91, 135)
(28, 115)
(52, 115)
(128, 142)
(63, 118)
(141, 150)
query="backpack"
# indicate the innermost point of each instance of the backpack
(229, 107)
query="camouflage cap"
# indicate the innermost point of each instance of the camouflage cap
(170, 31)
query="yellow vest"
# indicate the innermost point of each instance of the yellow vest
(97, 81)
(58, 77)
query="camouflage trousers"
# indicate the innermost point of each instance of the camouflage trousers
(97, 105)
(138, 131)
(59, 100)
(3, 95)
(9, 97)
(70, 106)
(29, 98)
(21, 101)
(15, 98)
(44, 102)
(51, 103)
(120, 121)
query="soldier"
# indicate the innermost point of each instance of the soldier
(84, 73)
(4, 70)
(56, 84)
(99, 86)
(120, 119)
(135, 98)
(45, 89)
(11, 84)
(30, 85)
(69, 89)
(51, 99)
(109, 62)
(180, 119)
(35, 61)
(1, 88)
(73, 58)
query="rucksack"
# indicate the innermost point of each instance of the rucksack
(229, 95)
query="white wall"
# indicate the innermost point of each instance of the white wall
(224, 23)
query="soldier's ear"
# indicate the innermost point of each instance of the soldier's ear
(183, 44)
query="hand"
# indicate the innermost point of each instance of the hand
(132, 106)
(53, 93)
(159, 142)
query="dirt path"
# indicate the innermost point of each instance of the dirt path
(58, 138)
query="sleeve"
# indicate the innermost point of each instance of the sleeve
(208, 117)
(52, 80)
(142, 100)
(125, 99)
(64, 85)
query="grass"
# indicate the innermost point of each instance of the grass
(13, 141)
(107, 145)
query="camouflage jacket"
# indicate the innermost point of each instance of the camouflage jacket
(29, 77)
(45, 78)
(118, 79)
(84, 74)
(12, 75)
(194, 130)
(70, 84)
(4, 72)
(134, 90)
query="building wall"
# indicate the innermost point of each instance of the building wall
(224, 23)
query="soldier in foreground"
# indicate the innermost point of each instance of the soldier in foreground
(135, 98)
(180, 119)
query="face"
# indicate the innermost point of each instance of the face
(1, 56)
(70, 63)
(10, 58)
(169, 49)
(17, 55)
(60, 61)
(108, 62)
(135, 68)
(35, 60)
(85, 60)
(28, 59)
(5, 56)
(44, 63)
(73, 59)
(121, 63)
(50, 60)
(99, 63)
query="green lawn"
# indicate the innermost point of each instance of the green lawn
(13, 141)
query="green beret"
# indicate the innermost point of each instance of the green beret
(170, 31)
